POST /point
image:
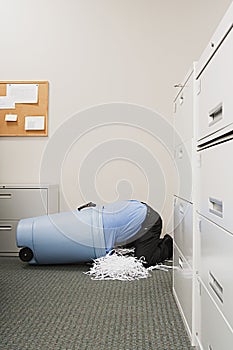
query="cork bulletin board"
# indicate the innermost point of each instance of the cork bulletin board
(23, 108)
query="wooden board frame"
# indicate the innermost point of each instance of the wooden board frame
(16, 128)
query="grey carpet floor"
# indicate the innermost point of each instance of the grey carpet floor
(60, 308)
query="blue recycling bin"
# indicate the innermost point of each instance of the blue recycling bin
(62, 238)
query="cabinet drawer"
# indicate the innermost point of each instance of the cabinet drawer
(183, 228)
(183, 161)
(214, 332)
(8, 237)
(215, 174)
(215, 103)
(22, 203)
(215, 264)
(182, 287)
(217, 38)
(183, 112)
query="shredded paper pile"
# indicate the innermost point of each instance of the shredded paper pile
(118, 265)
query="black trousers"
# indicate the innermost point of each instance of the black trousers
(147, 241)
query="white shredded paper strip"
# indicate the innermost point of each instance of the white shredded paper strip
(117, 265)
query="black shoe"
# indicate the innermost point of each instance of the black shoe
(168, 242)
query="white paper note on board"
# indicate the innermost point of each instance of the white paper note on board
(23, 93)
(6, 103)
(11, 117)
(34, 123)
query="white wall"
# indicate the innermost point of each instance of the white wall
(93, 53)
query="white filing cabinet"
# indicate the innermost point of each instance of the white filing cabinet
(214, 200)
(214, 332)
(202, 278)
(183, 201)
(182, 287)
(23, 201)
(183, 136)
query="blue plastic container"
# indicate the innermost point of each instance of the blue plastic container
(63, 238)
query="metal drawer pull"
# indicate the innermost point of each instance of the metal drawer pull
(6, 228)
(216, 207)
(216, 286)
(180, 153)
(180, 262)
(5, 195)
(181, 209)
(216, 114)
(181, 99)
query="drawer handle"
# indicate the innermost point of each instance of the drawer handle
(181, 99)
(216, 286)
(6, 228)
(216, 207)
(5, 195)
(216, 114)
(180, 153)
(181, 209)
(180, 262)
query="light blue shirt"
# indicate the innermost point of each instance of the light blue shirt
(122, 220)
